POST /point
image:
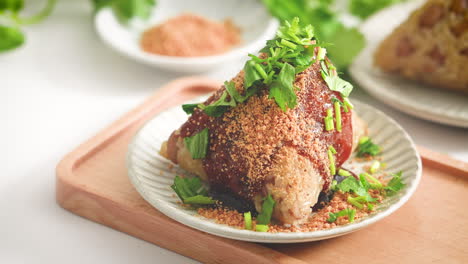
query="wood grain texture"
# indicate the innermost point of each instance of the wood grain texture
(92, 182)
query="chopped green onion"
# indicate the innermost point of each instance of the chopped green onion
(348, 103)
(261, 228)
(267, 210)
(355, 202)
(375, 166)
(248, 220)
(363, 140)
(375, 184)
(334, 185)
(261, 71)
(288, 44)
(333, 150)
(344, 173)
(321, 53)
(345, 212)
(337, 115)
(332, 162)
(329, 125)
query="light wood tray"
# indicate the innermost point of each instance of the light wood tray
(92, 182)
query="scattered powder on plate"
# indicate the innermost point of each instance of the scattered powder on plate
(190, 35)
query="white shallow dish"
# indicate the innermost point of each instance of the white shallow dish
(149, 173)
(255, 23)
(413, 98)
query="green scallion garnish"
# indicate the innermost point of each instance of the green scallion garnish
(261, 228)
(333, 150)
(248, 221)
(329, 125)
(332, 162)
(344, 173)
(337, 115)
(347, 103)
(374, 184)
(355, 202)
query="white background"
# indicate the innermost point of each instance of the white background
(58, 90)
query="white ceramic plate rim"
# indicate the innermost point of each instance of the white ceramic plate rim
(205, 225)
(150, 58)
(388, 96)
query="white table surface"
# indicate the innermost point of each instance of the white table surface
(61, 88)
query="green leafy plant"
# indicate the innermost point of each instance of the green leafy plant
(125, 10)
(191, 191)
(346, 42)
(11, 36)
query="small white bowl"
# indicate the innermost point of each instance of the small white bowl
(255, 23)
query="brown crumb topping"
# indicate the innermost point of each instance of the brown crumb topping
(317, 221)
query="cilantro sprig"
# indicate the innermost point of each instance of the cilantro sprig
(11, 36)
(191, 191)
(126, 10)
(267, 210)
(198, 144)
(345, 212)
(291, 52)
(367, 148)
(360, 188)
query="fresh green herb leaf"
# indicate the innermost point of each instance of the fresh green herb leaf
(13, 6)
(219, 107)
(261, 228)
(125, 10)
(248, 221)
(10, 38)
(395, 184)
(350, 184)
(191, 191)
(251, 75)
(282, 90)
(347, 43)
(374, 183)
(367, 148)
(233, 93)
(334, 82)
(267, 209)
(365, 8)
(198, 144)
(98, 4)
(199, 199)
(328, 27)
(346, 212)
(189, 108)
(370, 207)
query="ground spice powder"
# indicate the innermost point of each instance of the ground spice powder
(189, 35)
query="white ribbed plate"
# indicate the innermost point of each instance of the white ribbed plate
(413, 98)
(149, 173)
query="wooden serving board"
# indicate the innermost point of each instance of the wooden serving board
(92, 182)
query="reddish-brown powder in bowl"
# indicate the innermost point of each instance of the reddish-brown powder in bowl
(189, 35)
